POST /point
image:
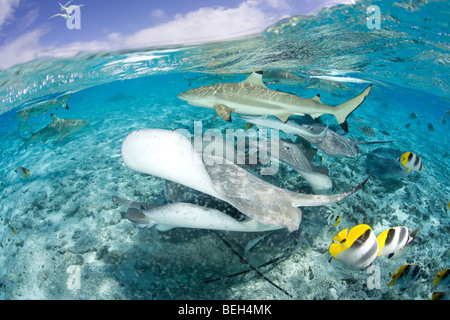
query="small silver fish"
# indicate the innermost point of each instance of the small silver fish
(413, 115)
(430, 127)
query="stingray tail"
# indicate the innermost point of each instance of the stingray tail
(373, 142)
(320, 200)
(356, 161)
(341, 111)
(256, 270)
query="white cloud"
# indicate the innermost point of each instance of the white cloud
(21, 49)
(207, 24)
(278, 4)
(28, 47)
(158, 13)
(7, 8)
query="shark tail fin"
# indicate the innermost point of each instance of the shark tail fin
(344, 109)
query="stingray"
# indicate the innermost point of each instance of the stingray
(301, 158)
(334, 144)
(176, 192)
(384, 164)
(170, 155)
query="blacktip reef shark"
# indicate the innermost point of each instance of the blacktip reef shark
(43, 107)
(252, 97)
(58, 129)
(282, 77)
(170, 155)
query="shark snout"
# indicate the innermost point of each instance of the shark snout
(193, 98)
(183, 96)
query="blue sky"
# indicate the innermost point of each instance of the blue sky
(26, 32)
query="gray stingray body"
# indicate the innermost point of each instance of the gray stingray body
(334, 144)
(383, 163)
(301, 159)
(170, 155)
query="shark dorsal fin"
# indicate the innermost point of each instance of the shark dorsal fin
(54, 118)
(317, 99)
(255, 78)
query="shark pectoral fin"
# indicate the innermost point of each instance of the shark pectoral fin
(283, 116)
(224, 112)
(62, 137)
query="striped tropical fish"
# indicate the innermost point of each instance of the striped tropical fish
(394, 242)
(411, 161)
(357, 248)
(404, 276)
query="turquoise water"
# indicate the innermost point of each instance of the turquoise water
(63, 215)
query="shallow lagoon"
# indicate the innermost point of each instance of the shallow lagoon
(68, 228)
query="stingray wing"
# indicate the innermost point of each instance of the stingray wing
(252, 196)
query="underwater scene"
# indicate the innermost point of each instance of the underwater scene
(306, 162)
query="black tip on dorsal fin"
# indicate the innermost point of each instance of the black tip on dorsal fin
(259, 72)
(344, 126)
